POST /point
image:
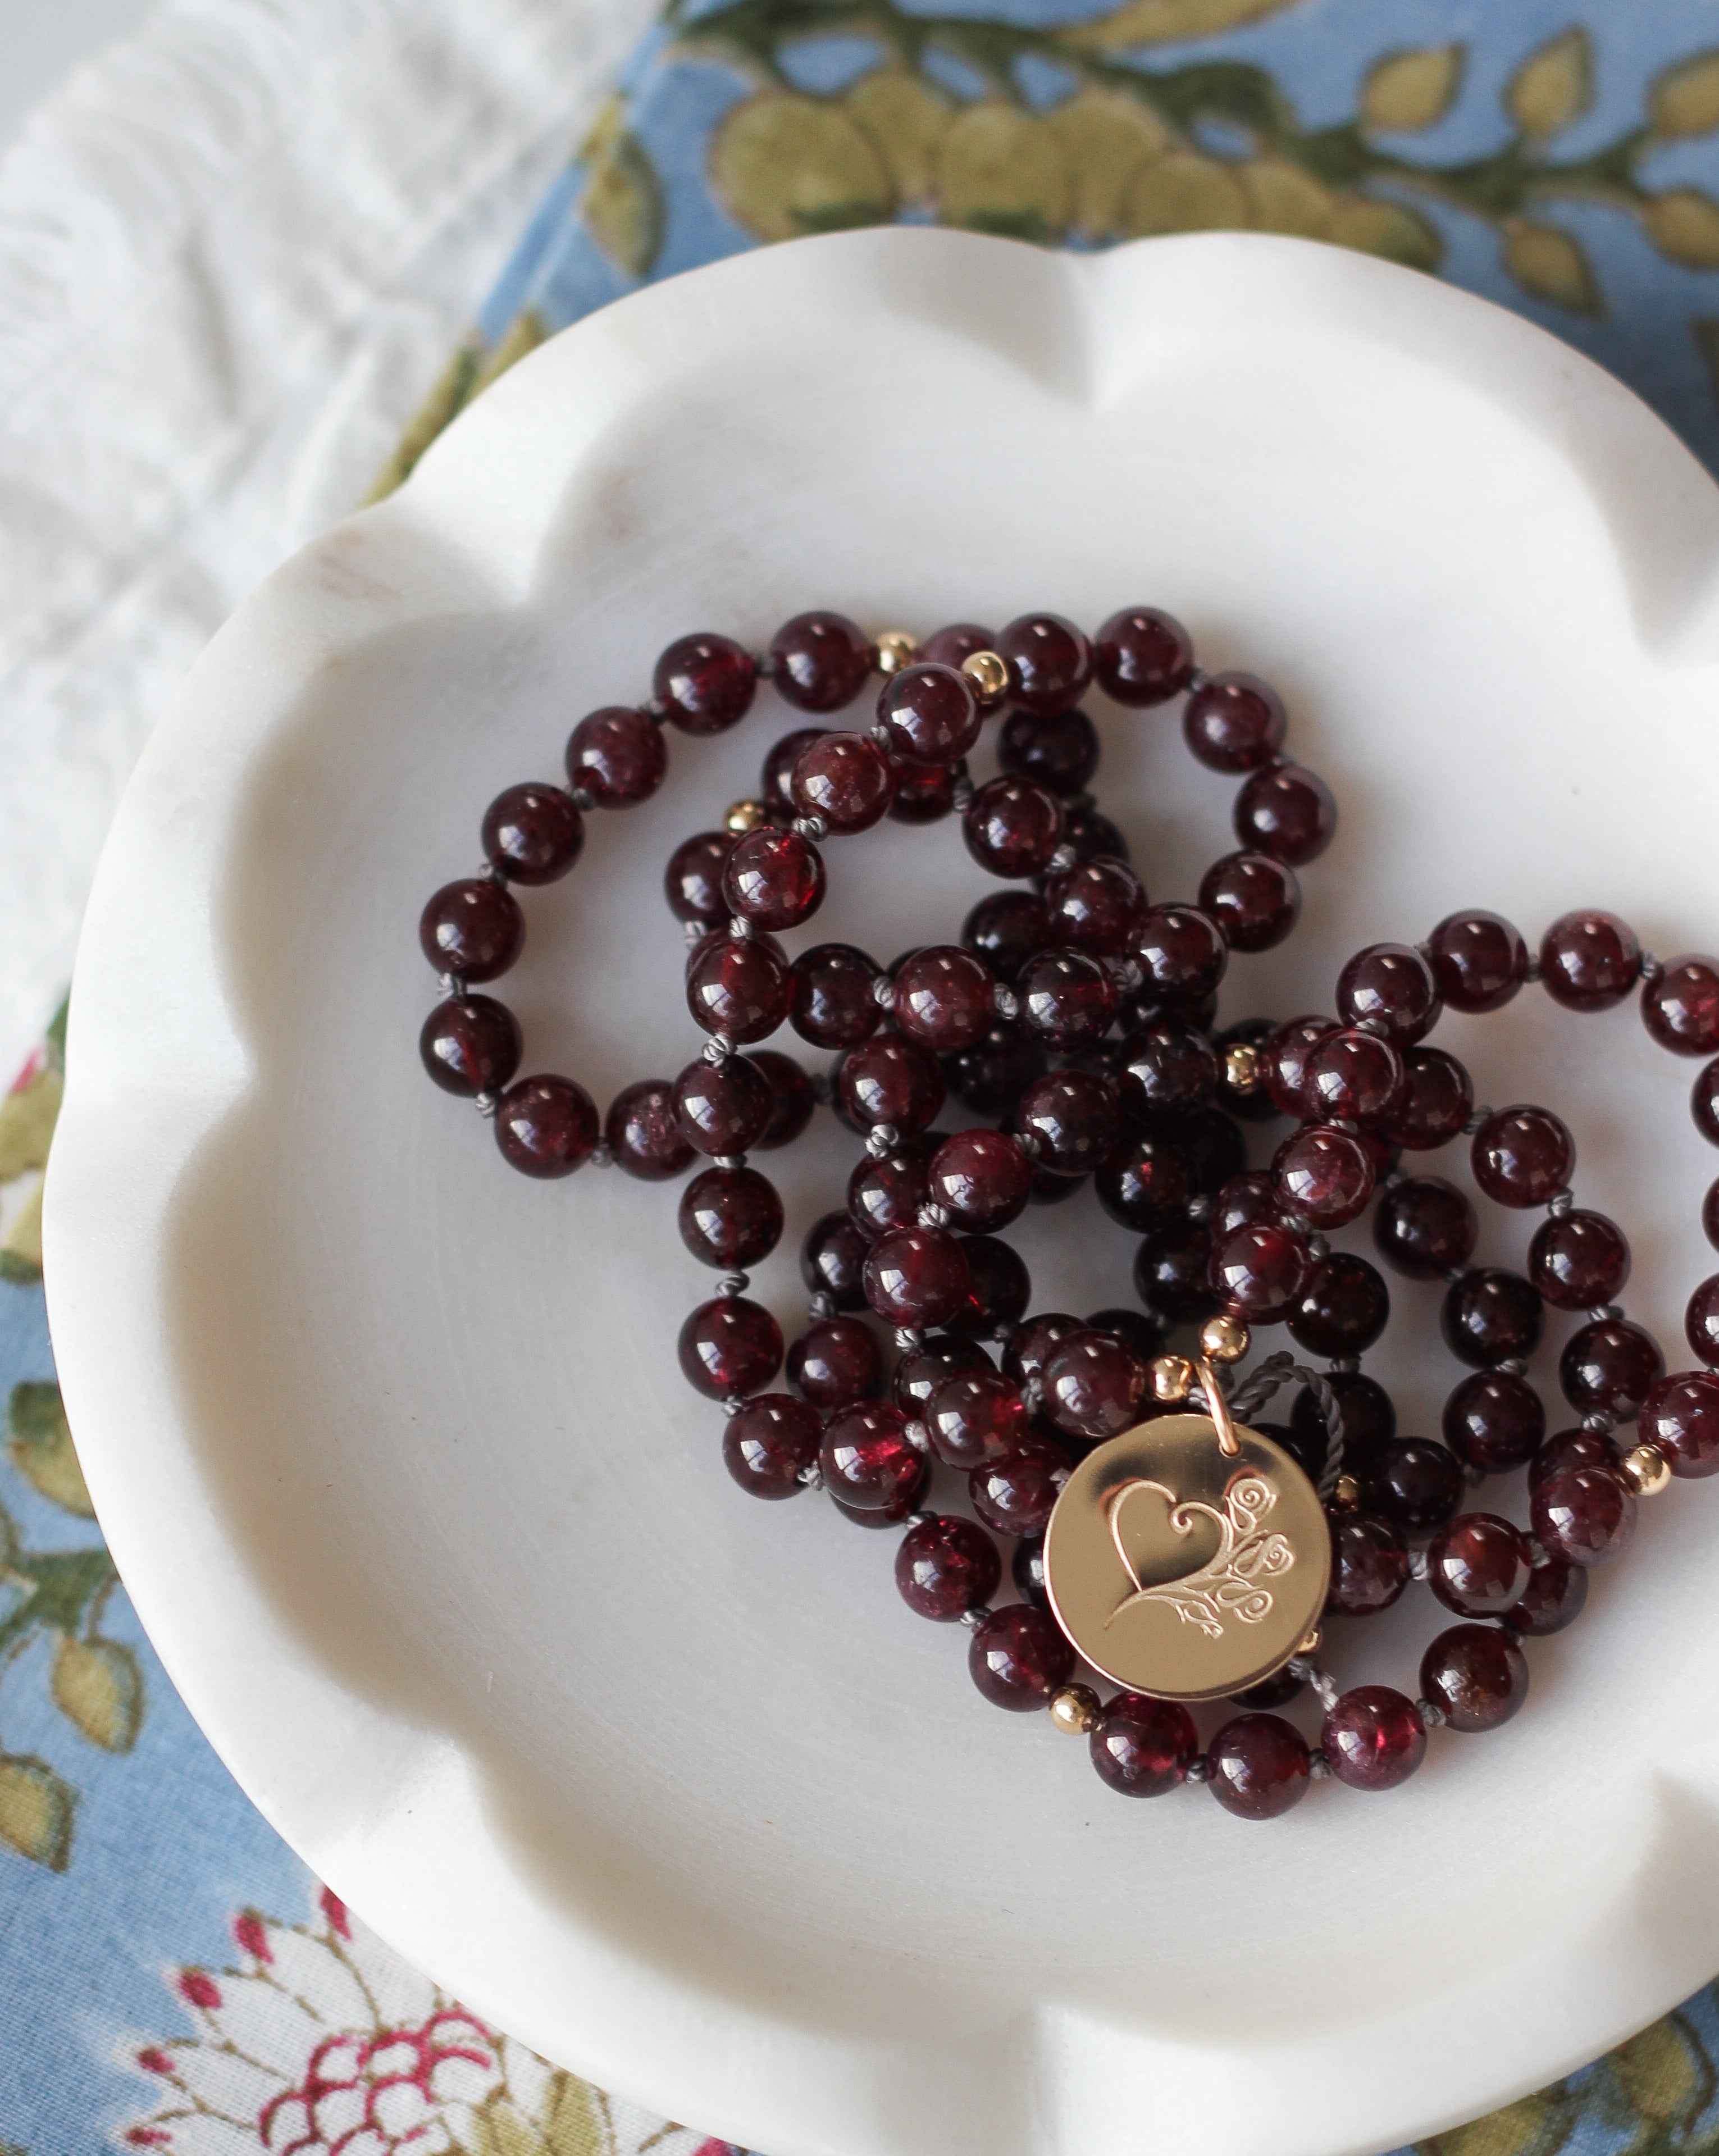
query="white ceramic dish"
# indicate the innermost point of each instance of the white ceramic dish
(390, 1445)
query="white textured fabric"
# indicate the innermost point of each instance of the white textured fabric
(235, 253)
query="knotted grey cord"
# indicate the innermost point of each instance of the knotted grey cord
(1275, 1372)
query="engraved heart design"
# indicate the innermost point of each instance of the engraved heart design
(1178, 1521)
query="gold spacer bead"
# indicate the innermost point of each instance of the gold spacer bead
(1347, 1496)
(1171, 1378)
(1647, 1471)
(1225, 1338)
(744, 816)
(1310, 1646)
(988, 672)
(894, 651)
(1075, 1709)
(1243, 1067)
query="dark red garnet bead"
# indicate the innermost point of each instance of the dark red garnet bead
(1254, 899)
(1681, 1008)
(1578, 1260)
(532, 835)
(1142, 657)
(1097, 906)
(946, 1567)
(731, 1218)
(705, 683)
(1344, 1308)
(1704, 1101)
(1372, 1737)
(1244, 1199)
(836, 1362)
(546, 1127)
(835, 1001)
(1017, 1494)
(1389, 988)
(642, 1132)
(1143, 1746)
(1369, 1419)
(867, 1460)
(1522, 1156)
(1477, 1675)
(1019, 1656)
(1072, 1117)
(1369, 1565)
(845, 779)
(1285, 812)
(1093, 1386)
(1261, 1271)
(1425, 1227)
(831, 1260)
(891, 1080)
(1090, 837)
(1029, 1347)
(930, 714)
(974, 1417)
(1490, 1315)
(1068, 1000)
(945, 999)
(1416, 1484)
(1494, 1422)
(775, 782)
(1059, 750)
(1701, 1319)
(1006, 929)
(1552, 1600)
(1352, 1077)
(792, 1099)
(1234, 723)
(917, 1277)
(1681, 1415)
(722, 1108)
(774, 878)
(1166, 1068)
(1478, 1566)
(1172, 1273)
(618, 757)
(990, 1077)
(1710, 1214)
(729, 1347)
(1323, 1175)
(1285, 1052)
(473, 929)
(1011, 827)
(981, 1178)
(768, 1446)
(886, 1191)
(692, 882)
(471, 1045)
(1147, 1185)
(1584, 1514)
(1609, 1367)
(925, 793)
(1181, 953)
(956, 642)
(819, 661)
(1258, 1766)
(1050, 662)
(739, 988)
(1479, 960)
(1589, 961)
(1572, 1448)
(1438, 1098)
(921, 1370)
(1003, 1287)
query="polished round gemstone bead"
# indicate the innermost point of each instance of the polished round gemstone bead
(1073, 1118)
(739, 989)
(731, 1218)
(945, 999)
(836, 1362)
(1143, 1746)
(1255, 900)
(1584, 1514)
(1710, 1214)
(470, 1044)
(1369, 1565)
(1589, 961)
(1095, 905)
(1142, 1336)
(834, 996)
(644, 1133)
(917, 1277)
(1181, 952)
(1425, 1227)
(1323, 1175)
(1050, 662)
(532, 834)
(886, 1191)
(617, 755)
(1026, 1568)
(1146, 1184)
(769, 1446)
(1390, 989)
(1003, 1287)
(925, 793)
(1011, 827)
(1059, 750)
(692, 882)
(1258, 1766)
(1216, 1149)
(1552, 1600)
(1142, 657)
(1522, 1156)
(1019, 1656)
(1372, 1737)
(774, 878)
(832, 1259)
(1701, 1319)
(1437, 1099)
(1285, 812)
(1704, 1101)
(1344, 1309)
(945, 1567)
(1477, 1674)
(1090, 837)
(891, 1080)
(1478, 1566)
(956, 642)
(1681, 1415)
(1680, 1009)
(867, 1460)
(792, 1101)
(1494, 1422)
(981, 1178)
(1369, 1419)
(1578, 1260)
(705, 683)
(1006, 929)
(1234, 723)
(1260, 1271)
(1030, 1346)
(775, 781)
(921, 1370)
(546, 1126)
(1017, 1494)
(729, 1347)
(1416, 1484)
(1166, 1068)
(722, 1108)
(1245, 1197)
(1490, 1315)
(975, 1417)
(819, 661)
(930, 714)
(473, 929)
(1609, 1367)
(990, 1077)
(1093, 1386)
(1285, 1053)
(1067, 998)
(844, 779)
(1172, 1273)
(1352, 1077)
(1572, 1448)
(1479, 960)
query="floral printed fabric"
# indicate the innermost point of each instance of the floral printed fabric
(170, 1976)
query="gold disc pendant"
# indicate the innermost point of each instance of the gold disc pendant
(1185, 1566)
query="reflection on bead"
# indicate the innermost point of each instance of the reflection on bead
(1143, 1747)
(1258, 1766)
